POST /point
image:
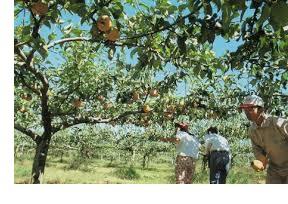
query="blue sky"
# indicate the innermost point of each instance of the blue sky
(221, 46)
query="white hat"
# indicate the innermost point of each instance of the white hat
(251, 101)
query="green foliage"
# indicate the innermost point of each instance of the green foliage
(182, 43)
(78, 163)
(127, 173)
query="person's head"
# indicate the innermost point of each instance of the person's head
(212, 130)
(182, 126)
(253, 106)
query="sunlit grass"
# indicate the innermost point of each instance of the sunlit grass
(103, 172)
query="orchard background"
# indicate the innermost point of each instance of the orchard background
(98, 82)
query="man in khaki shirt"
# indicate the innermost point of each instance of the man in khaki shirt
(269, 137)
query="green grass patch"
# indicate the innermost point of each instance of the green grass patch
(96, 171)
(129, 173)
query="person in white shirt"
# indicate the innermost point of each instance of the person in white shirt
(187, 148)
(218, 151)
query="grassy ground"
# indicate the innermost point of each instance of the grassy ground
(95, 171)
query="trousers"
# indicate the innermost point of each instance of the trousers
(219, 166)
(184, 169)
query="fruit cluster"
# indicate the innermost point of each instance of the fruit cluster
(104, 26)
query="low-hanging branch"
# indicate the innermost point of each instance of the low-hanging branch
(128, 38)
(67, 40)
(35, 137)
(94, 120)
(30, 67)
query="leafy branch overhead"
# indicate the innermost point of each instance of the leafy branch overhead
(158, 34)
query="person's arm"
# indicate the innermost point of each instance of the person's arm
(170, 139)
(259, 154)
(207, 146)
(202, 148)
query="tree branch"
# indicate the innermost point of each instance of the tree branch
(94, 120)
(20, 53)
(125, 114)
(37, 92)
(35, 137)
(280, 95)
(21, 44)
(46, 116)
(67, 40)
(30, 67)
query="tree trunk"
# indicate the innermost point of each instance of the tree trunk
(40, 161)
(133, 155)
(144, 161)
(148, 161)
(61, 157)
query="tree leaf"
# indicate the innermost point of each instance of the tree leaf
(264, 15)
(279, 14)
(111, 53)
(285, 76)
(26, 30)
(52, 36)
